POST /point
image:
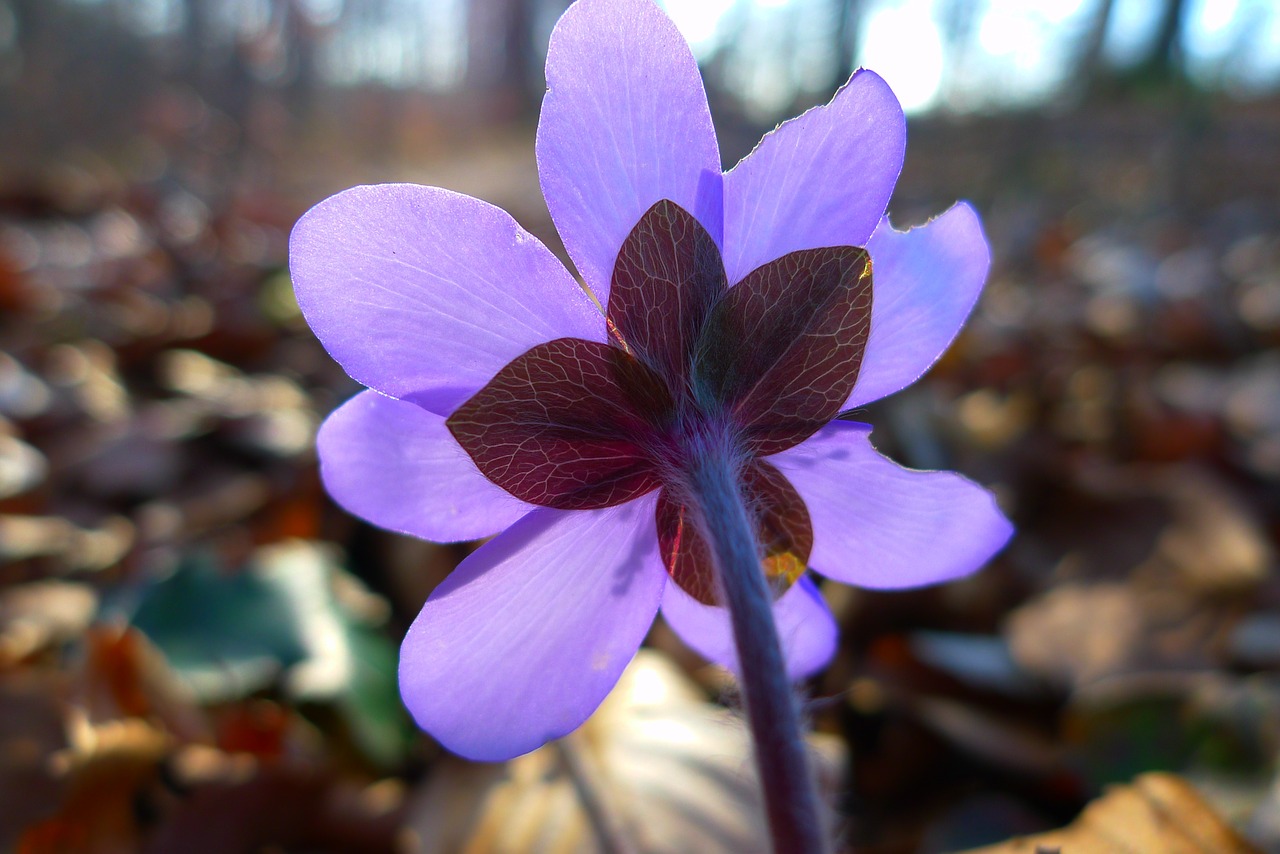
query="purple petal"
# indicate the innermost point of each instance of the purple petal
(425, 294)
(624, 124)
(526, 637)
(395, 464)
(877, 524)
(927, 281)
(805, 626)
(819, 180)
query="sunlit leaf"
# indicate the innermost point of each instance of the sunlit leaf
(667, 277)
(562, 425)
(1156, 813)
(784, 346)
(655, 769)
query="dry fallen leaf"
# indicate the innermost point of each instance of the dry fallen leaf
(69, 547)
(1076, 633)
(224, 802)
(22, 467)
(1216, 545)
(655, 769)
(125, 676)
(104, 769)
(1157, 814)
(40, 614)
(31, 730)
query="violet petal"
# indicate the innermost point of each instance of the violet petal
(424, 294)
(395, 464)
(822, 179)
(927, 281)
(624, 124)
(806, 628)
(879, 525)
(526, 637)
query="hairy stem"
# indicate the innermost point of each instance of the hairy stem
(790, 793)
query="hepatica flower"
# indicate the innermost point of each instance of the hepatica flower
(738, 313)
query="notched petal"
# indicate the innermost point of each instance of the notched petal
(783, 348)
(928, 280)
(821, 179)
(624, 123)
(783, 530)
(667, 277)
(566, 425)
(883, 526)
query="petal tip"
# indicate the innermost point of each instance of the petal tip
(524, 639)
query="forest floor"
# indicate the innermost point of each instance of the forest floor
(197, 648)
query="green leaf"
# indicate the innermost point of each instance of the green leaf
(293, 616)
(226, 634)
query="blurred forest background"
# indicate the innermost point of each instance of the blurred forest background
(197, 649)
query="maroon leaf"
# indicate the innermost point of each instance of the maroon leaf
(684, 551)
(783, 347)
(667, 277)
(786, 533)
(783, 530)
(566, 425)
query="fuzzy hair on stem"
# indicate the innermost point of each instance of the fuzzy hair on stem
(788, 783)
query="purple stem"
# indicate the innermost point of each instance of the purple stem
(790, 792)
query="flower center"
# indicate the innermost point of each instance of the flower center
(690, 363)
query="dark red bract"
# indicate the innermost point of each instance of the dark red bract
(761, 366)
